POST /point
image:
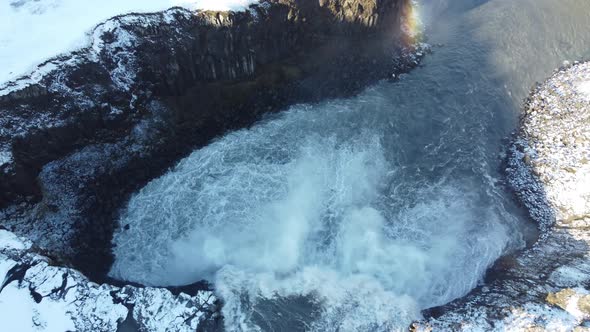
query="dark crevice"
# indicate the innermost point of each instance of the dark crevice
(16, 273)
(129, 324)
(36, 296)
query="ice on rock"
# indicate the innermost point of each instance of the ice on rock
(51, 298)
(584, 89)
(5, 157)
(9, 241)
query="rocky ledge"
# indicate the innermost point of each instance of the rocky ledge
(546, 287)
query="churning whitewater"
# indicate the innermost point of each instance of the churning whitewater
(355, 214)
(317, 203)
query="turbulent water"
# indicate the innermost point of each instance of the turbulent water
(357, 214)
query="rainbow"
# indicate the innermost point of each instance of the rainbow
(411, 24)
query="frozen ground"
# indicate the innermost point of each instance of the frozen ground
(584, 89)
(37, 296)
(32, 31)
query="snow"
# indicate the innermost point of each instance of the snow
(18, 309)
(19, 312)
(11, 242)
(5, 157)
(32, 31)
(181, 312)
(584, 89)
(67, 301)
(551, 318)
(215, 4)
(569, 276)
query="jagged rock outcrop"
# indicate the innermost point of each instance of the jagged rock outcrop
(84, 130)
(546, 287)
(36, 295)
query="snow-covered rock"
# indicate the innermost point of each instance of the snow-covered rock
(35, 295)
(34, 31)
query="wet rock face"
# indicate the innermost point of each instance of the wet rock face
(85, 130)
(545, 288)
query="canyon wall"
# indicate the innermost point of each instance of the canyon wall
(85, 130)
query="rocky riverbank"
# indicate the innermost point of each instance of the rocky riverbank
(545, 288)
(85, 130)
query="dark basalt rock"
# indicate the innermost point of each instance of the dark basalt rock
(150, 88)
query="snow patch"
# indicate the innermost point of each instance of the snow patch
(584, 89)
(5, 265)
(53, 298)
(551, 318)
(20, 312)
(5, 157)
(9, 241)
(569, 276)
(223, 5)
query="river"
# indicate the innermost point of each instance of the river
(356, 214)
